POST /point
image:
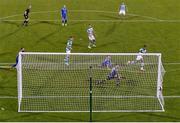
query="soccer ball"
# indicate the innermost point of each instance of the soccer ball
(142, 69)
(128, 62)
(2, 109)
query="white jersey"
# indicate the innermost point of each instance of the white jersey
(122, 7)
(90, 32)
(69, 46)
(139, 56)
(142, 50)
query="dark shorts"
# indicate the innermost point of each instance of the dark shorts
(26, 16)
(64, 18)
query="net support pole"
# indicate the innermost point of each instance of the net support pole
(19, 77)
(159, 76)
(90, 94)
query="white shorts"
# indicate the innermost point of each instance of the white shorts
(139, 57)
(122, 12)
(68, 51)
(91, 37)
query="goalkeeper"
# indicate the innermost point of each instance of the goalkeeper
(17, 58)
(113, 75)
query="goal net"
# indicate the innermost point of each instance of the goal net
(47, 83)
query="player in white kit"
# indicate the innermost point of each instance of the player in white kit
(68, 49)
(91, 36)
(122, 9)
(139, 58)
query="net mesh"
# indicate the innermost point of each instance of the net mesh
(48, 84)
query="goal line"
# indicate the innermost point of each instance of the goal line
(15, 97)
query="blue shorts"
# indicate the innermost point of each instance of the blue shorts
(64, 18)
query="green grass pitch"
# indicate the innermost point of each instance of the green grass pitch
(155, 23)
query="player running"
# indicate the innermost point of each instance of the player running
(64, 15)
(122, 9)
(91, 36)
(68, 49)
(139, 58)
(17, 58)
(107, 62)
(26, 16)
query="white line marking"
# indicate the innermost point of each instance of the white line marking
(85, 11)
(8, 97)
(106, 21)
(173, 63)
(171, 96)
(152, 19)
(166, 63)
(15, 97)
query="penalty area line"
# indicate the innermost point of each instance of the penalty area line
(99, 20)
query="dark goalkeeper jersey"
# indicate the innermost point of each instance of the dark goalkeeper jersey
(26, 13)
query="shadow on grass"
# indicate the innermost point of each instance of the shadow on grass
(10, 34)
(21, 117)
(107, 44)
(111, 118)
(110, 16)
(66, 117)
(173, 118)
(149, 119)
(54, 23)
(110, 30)
(127, 17)
(45, 39)
(11, 23)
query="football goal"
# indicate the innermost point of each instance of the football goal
(47, 83)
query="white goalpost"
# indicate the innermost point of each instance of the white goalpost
(46, 83)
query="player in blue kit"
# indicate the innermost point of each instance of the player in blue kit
(122, 9)
(113, 75)
(64, 15)
(107, 62)
(17, 58)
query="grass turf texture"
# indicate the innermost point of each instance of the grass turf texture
(111, 37)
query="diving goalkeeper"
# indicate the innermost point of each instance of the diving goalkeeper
(17, 58)
(113, 75)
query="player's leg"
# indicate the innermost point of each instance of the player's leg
(117, 81)
(63, 21)
(120, 12)
(138, 58)
(14, 65)
(142, 65)
(109, 65)
(27, 20)
(93, 41)
(90, 42)
(24, 23)
(67, 57)
(123, 12)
